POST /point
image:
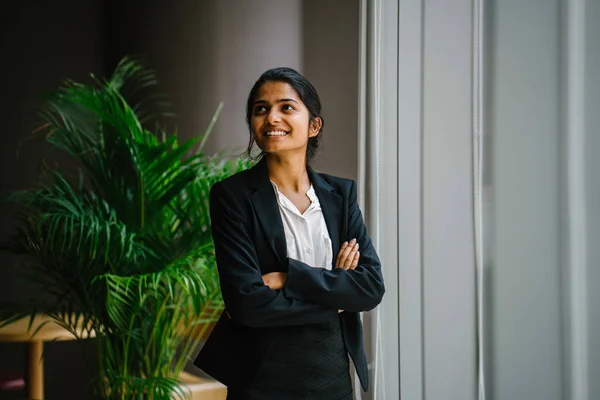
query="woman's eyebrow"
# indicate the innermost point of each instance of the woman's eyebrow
(260, 101)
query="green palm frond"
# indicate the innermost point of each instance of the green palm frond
(122, 243)
(126, 294)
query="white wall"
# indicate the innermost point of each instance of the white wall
(542, 323)
(524, 123)
(592, 165)
(448, 249)
(420, 192)
(380, 183)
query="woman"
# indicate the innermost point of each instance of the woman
(292, 309)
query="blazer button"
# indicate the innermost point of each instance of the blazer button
(308, 250)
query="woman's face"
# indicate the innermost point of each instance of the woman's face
(280, 121)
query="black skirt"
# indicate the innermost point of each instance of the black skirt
(308, 362)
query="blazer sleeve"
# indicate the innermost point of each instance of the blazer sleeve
(360, 289)
(248, 300)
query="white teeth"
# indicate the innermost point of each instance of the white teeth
(276, 133)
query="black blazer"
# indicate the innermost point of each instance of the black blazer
(250, 241)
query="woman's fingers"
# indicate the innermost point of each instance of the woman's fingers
(355, 261)
(351, 256)
(347, 254)
(338, 260)
(343, 254)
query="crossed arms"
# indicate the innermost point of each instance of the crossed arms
(304, 294)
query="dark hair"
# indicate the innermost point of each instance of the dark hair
(305, 90)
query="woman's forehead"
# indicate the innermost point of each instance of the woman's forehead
(276, 90)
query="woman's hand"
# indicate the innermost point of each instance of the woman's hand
(348, 256)
(275, 280)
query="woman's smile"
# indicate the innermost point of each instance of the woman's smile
(274, 133)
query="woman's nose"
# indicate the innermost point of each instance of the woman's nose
(273, 117)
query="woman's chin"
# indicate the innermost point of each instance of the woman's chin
(283, 150)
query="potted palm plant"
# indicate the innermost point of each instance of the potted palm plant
(123, 247)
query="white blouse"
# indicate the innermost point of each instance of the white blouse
(306, 234)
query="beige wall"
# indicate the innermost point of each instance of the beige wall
(331, 61)
(214, 50)
(211, 51)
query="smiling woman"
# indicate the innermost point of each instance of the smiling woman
(292, 310)
(280, 120)
(282, 103)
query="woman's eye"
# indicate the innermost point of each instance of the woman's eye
(259, 109)
(287, 107)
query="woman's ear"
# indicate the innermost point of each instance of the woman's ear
(315, 126)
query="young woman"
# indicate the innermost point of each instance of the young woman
(292, 308)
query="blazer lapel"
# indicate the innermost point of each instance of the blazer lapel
(331, 205)
(265, 205)
(267, 210)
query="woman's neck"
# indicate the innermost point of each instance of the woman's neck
(289, 174)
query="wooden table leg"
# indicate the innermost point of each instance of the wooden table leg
(35, 370)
